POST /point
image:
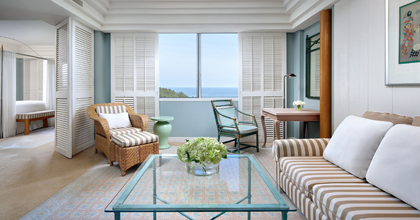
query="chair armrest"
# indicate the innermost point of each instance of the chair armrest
(299, 147)
(139, 121)
(101, 126)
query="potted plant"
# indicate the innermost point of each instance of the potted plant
(202, 155)
(299, 104)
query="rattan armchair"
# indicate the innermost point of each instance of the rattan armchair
(102, 132)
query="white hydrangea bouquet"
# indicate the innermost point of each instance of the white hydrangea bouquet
(299, 104)
(202, 152)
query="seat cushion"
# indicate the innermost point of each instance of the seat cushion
(134, 139)
(243, 129)
(354, 143)
(128, 130)
(395, 168)
(360, 201)
(306, 172)
(37, 114)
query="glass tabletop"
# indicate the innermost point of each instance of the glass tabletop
(162, 184)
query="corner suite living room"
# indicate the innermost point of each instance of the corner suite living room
(257, 45)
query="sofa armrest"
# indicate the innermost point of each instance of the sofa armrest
(139, 121)
(299, 147)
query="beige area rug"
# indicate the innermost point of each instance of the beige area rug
(88, 196)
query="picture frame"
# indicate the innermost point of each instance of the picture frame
(401, 71)
(313, 87)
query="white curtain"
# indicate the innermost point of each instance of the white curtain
(8, 121)
(50, 88)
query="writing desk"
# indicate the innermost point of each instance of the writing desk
(287, 114)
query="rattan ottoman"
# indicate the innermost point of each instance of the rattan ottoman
(131, 149)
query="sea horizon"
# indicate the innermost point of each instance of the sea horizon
(207, 92)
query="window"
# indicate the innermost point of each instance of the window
(198, 65)
(30, 79)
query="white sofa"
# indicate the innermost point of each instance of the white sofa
(369, 169)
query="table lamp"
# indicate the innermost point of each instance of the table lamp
(284, 87)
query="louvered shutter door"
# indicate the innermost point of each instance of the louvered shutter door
(82, 87)
(262, 70)
(62, 128)
(146, 106)
(126, 100)
(272, 102)
(141, 60)
(74, 87)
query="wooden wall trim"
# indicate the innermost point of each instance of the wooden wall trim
(325, 75)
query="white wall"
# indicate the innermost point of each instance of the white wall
(359, 64)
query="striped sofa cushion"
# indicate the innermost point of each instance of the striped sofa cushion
(360, 201)
(111, 109)
(37, 114)
(128, 130)
(303, 203)
(306, 172)
(134, 139)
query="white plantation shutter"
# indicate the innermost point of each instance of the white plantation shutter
(146, 106)
(126, 100)
(74, 87)
(62, 138)
(272, 68)
(62, 113)
(272, 102)
(263, 64)
(134, 71)
(124, 63)
(252, 105)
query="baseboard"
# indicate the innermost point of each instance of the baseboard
(246, 139)
(182, 139)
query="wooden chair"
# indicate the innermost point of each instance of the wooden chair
(103, 134)
(228, 125)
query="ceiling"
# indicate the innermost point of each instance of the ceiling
(173, 15)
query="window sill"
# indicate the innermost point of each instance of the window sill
(194, 99)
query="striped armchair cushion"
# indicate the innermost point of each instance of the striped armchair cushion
(128, 130)
(299, 147)
(360, 201)
(134, 139)
(111, 109)
(307, 172)
(37, 114)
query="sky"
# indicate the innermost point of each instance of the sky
(178, 60)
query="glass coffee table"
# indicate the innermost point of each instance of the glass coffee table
(162, 185)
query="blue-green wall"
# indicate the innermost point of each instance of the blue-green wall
(195, 118)
(192, 118)
(102, 59)
(19, 79)
(296, 63)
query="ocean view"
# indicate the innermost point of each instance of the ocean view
(208, 92)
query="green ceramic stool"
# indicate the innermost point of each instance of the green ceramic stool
(162, 128)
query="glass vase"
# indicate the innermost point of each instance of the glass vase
(298, 108)
(202, 170)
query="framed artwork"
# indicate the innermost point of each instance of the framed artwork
(402, 42)
(313, 66)
(409, 29)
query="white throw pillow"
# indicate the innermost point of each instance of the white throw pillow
(395, 168)
(120, 120)
(354, 143)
